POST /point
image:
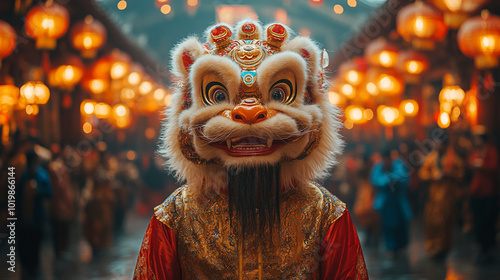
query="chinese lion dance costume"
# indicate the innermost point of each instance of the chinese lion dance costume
(250, 129)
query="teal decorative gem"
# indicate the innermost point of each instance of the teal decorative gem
(248, 77)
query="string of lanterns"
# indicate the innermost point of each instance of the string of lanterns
(118, 86)
(378, 79)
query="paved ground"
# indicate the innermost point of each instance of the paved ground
(118, 262)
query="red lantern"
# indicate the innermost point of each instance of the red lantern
(316, 2)
(35, 92)
(46, 23)
(120, 64)
(88, 36)
(68, 71)
(457, 11)
(96, 79)
(412, 62)
(381, 53)
(421, 24)
(160, 3)
(353, 71)
(7, 40)
(479, 37)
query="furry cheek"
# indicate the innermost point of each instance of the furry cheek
(203, 115)
(280, 126)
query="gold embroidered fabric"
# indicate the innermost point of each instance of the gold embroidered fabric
(208, 246)
(143, 271)
(361, 272)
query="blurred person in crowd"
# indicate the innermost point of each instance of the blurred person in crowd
(62, 203)
(98, 220)
(158, 183)
(443, 168)
(354, 163)
(416, 194)
(366, 216)
(127, 183)
(34, 188)
(483, 193)
(390, 178)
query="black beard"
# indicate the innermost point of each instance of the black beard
(254, 199)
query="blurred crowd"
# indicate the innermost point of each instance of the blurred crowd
(447, 183)
(77, 197)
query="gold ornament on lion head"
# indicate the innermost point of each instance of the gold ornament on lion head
(248, 100)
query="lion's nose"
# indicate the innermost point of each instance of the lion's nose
(249, 111)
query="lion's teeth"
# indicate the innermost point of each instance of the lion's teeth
(228, 142)
(269, 142)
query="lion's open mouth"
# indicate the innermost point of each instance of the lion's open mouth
(251, 145)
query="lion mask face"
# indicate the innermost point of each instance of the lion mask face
(249, 102)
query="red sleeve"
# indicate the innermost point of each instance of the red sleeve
(158, 256)
(341, 254)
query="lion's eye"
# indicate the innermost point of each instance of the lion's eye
(282, 91)
(278, 94)
(215, 93)
(220, 96)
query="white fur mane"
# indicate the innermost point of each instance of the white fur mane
(212, 176)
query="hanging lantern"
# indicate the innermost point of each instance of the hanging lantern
(453, 95)
(9, 96)
(97, 86)
(160, 3)
(88, 36)
(120, 111)
(120, 64)
(347, 90)
(389, 116)
(8, 40)
(96, 78)
(316, 3)
(353, 71)
(46, 23)
(87, 127)
(409, 107)
(368, 114)
(412, 62)
(127, 94)
(4, 119)
(121, 115)
(479, 37)
(336, 99)
(87, 107)
(35, 92)
(68, 71)
(135, 75)
(390, 84)
(149, 104)
(355, 114)
(146, 86)
(159, 94)
(421, 24)
(32, 109)
(381, 53)
(384, 82)
(443, 120)
(102, 110)
(457, 11)
(192, 5)
(371, 88)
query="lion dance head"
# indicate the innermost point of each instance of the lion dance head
(250, 100)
